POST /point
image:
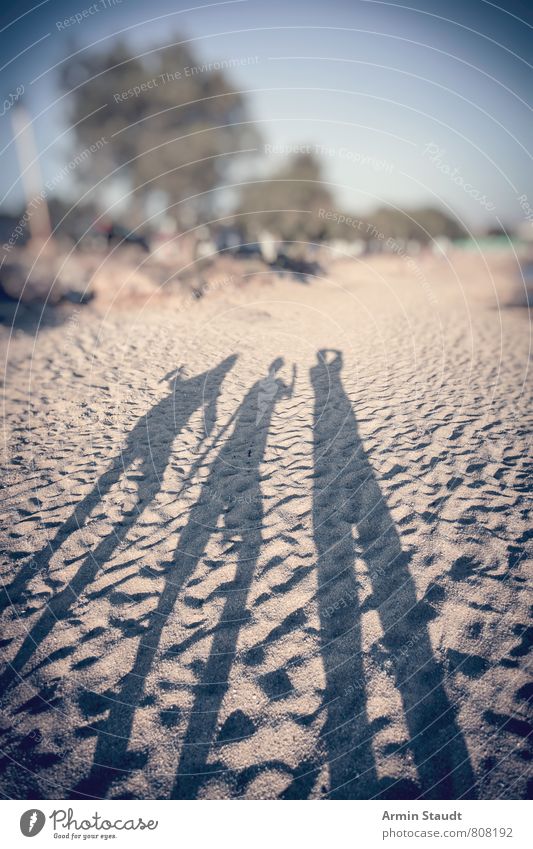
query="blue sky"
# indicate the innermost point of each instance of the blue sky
(426, 102)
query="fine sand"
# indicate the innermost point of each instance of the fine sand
(272, 543)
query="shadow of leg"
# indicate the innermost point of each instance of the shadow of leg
(346, 733)
(40, 561)
(60, 605)
(111, 758)
(210, 692)
(435, 739)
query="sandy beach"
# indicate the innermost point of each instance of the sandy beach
(272, 543)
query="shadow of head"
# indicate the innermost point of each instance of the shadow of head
(275, 366)
(331, 358)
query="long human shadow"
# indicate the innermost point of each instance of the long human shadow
(347, 498)
(232, 489)
(149, 444)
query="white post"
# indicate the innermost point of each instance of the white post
(38, 216)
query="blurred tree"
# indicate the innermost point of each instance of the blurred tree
(421, 225)
(163, 117)
(287, 203)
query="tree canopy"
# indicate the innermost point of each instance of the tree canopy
(288, 202)
(169, 121)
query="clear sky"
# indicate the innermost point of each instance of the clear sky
(422, 102)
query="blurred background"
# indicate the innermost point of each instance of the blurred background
(281, 135)
(324, 211)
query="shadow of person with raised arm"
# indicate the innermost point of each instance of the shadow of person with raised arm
(232, 490)
(347, 498)
(149, 445)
